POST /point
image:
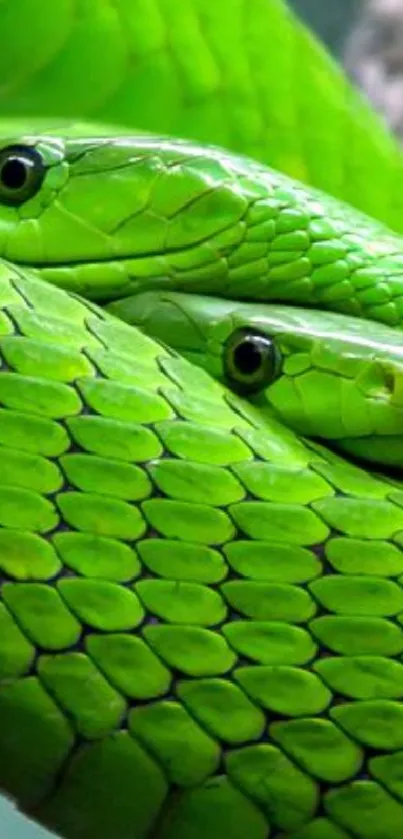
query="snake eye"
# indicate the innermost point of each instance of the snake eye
(21, 173)
(251, 360)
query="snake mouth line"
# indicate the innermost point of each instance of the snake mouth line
(73, 263)
(150, 254)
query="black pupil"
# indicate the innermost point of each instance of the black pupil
(14, 173)
(247, 358)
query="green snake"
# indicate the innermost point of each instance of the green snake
(201, 412)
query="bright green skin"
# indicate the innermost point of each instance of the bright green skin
(169, 68)
(338, 378)
(202, 611)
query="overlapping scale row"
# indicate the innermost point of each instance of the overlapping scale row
(201, 616)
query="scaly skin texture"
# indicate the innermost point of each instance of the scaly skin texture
(355, 366)
(201, 610)
(116, 216)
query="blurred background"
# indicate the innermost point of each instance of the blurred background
(331, 19)
(368, 36)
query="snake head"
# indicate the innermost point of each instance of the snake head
(327, 376)
(107, 214)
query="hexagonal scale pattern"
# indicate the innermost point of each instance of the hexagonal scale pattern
(185, 652)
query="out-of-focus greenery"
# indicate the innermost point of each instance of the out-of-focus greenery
(331, 19)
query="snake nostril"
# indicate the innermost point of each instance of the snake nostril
(394, 387)
(390, 381)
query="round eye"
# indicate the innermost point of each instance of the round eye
(21, 173)
(251, 360)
